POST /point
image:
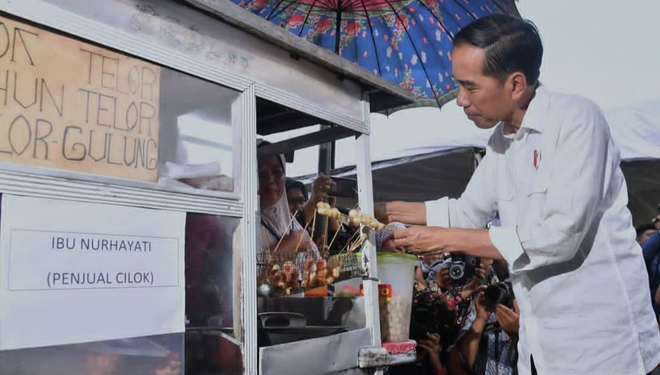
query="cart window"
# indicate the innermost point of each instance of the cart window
(213, 329)
(71, 105)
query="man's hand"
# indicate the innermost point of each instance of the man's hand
(509, 319)
(432, 347)
(419, 239)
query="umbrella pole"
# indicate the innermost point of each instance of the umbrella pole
(338, 29)
(326, 164)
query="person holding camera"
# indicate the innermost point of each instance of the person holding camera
(552, 174)
(487, 342)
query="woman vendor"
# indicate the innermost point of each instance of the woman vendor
(281, 233)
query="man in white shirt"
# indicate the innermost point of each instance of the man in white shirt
(552, 174)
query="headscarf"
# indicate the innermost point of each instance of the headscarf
(276, 218)
(382, 236)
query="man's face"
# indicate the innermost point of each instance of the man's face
(645, 236)
(296, 200)
(485, 100)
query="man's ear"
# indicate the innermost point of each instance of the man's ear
(517, 84)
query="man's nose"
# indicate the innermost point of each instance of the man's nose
(461, 98)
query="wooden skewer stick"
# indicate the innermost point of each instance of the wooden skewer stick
(349, 241)
(351, 220)
(288, 229)
(300, 237)
(313, 225)
(333, 239)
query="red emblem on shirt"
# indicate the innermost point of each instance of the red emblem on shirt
(537, 158)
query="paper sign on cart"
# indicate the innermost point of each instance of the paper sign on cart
(75, 272)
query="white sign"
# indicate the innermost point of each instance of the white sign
(75, 272)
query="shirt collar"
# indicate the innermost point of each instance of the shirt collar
(537, 110)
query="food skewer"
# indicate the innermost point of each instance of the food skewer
(293, 217)
(354, 216)
(300, 237)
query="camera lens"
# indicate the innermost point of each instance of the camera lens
(456, 271)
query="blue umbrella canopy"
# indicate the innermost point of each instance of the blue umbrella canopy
(407, 42)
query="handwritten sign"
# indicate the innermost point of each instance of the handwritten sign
(70, 105)
(73, 272)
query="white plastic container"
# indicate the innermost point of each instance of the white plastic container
(396, 273)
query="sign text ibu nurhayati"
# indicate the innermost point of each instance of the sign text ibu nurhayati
(71, 105)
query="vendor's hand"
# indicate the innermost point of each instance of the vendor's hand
(418, 239)
(321, 186)
(324, 249)
(299, 238)
(432, 347)
(509, 319)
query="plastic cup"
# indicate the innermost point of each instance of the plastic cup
(396, 273)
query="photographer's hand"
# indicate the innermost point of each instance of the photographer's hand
(470, 288)
(480, 305)
(509, 319)
(443, 280)
(432, 347)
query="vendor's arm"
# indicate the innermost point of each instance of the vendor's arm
(321, 185)
(657, 296)
(295, 241)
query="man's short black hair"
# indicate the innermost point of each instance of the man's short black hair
(292, 184)
(511, 45)
(643, 228)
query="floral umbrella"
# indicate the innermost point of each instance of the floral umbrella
(408, 42)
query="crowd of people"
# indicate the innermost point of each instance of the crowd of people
(456, 330)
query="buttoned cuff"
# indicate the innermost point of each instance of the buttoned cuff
(507, 242)
(437, 213)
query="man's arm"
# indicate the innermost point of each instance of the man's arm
(475, 208)
(475, 242)
(413, 213)
(585, 162)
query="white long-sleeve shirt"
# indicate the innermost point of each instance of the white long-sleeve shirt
(566, 232)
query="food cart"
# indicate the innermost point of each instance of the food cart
(129, 222)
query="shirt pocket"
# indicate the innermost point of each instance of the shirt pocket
(536, 196)
(506, 205)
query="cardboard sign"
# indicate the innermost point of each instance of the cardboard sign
(75, 272)
(70, 105)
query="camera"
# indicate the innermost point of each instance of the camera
(463, 268)
(501, 292)
(421, 322)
